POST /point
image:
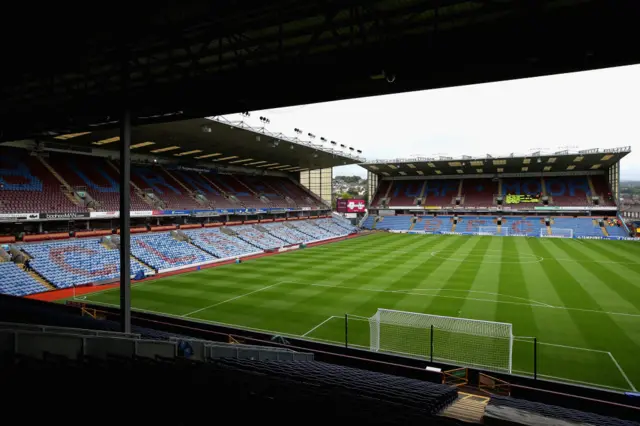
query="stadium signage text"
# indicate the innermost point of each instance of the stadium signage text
(517, 199)
(64, 216)
(19, 216)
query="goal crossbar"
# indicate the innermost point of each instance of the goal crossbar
(463, 341)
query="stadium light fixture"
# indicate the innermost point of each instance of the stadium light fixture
(596, 166)
(200, 157)
(438, 172)
(71, 135)
(275, 143)
(297, 131)
(269, 165)
(359, 151)
(433, 166)
(231, 157)
(165, 149)
(106, 141)
(420, 172)
(526, 161)
(311, 135)
(525, 169)
(578, 159)
(459, 171)
(571, 166)
(479, 170)
(265, 120)
(500, 170)
(182, 154)
(244, 160)
(477, 163)
(323, 139)
(141, 144)
(547, 168)
(256, 162)
(607, 157)
(551, 160)
(245, 114)
(206, 128)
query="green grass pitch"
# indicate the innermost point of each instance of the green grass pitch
(580, 298)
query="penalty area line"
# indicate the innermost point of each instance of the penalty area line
(319, 325)
(231, 299)
(622, 372)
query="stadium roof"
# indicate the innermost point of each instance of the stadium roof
(65, 67)
(217, 140)
(558, 162)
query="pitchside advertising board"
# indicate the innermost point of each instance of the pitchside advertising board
(350, 206)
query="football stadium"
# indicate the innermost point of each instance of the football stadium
(203, 261)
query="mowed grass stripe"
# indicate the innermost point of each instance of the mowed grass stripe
(460, 277)
(626, 286)
(509, 274)
(485, 285)
(600, 330)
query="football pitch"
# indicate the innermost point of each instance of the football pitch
(579, 298)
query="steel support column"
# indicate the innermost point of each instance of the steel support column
(125, 204)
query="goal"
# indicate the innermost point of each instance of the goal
(493, 230)
(556, 233)
(460, 341)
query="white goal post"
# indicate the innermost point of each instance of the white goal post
(493, 230)
(460, 341)
(556, 233)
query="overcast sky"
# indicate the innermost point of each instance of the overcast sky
(596, 109)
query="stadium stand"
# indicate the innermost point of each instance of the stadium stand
(472, 223)
(479, 192)
(94, 177)
(310, 228)
(434, 224)
(582, 227)
(286, 233)
(258, 238)
(368, 223)
(161, 251)
(76, 262)
(333, 226)
(392, 223)
(507, 410)
(26, 185)
(17, 282)
(529, 226)
(220, 244)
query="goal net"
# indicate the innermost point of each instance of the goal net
(493, 230)
(459, 341)
(556, 233)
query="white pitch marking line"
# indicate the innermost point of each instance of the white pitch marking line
(319, 325)
(468, 298)
(230, 300)
(622, 372)
(482, 292)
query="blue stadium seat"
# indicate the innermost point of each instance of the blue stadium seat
(219, 244)
(17, 282)
(258, 238)
(77, 262)
(162, 251)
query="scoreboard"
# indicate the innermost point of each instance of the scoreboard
(350, 206)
